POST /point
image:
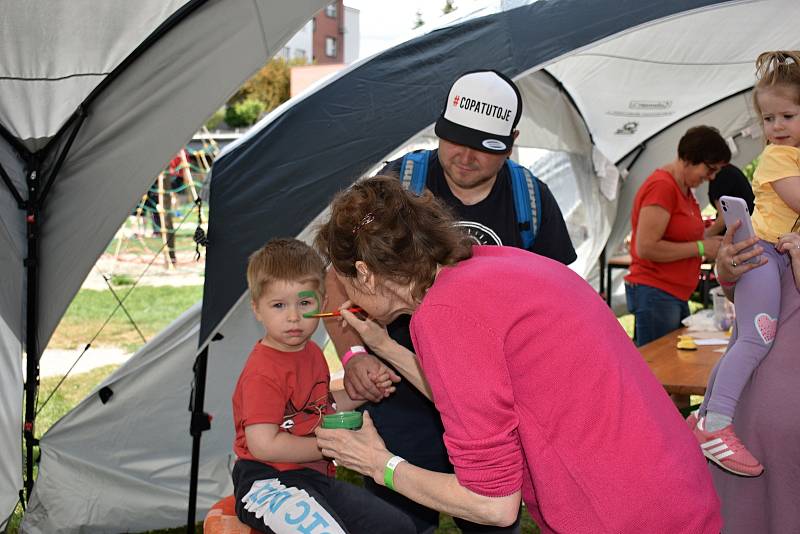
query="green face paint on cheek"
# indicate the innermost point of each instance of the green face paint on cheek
(309, 295)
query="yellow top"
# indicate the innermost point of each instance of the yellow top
(772, 217)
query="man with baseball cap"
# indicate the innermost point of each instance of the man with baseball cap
(470, 173)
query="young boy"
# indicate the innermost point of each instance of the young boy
(281, 481)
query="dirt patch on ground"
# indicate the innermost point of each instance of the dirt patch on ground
(151, 270)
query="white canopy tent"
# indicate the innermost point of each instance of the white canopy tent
(607, 86)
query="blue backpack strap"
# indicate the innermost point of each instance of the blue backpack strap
(527, 202)
(414, 171)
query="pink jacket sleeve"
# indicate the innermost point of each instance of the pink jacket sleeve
(465, 365)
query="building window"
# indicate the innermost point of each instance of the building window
(330, 10)
(330, 46)
(299, 54)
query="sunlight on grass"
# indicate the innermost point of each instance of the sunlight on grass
(151, 307)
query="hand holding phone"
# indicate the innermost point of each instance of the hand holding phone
(735, 209)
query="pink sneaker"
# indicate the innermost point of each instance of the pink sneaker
(725, 449)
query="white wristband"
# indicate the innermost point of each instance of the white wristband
(355, 349)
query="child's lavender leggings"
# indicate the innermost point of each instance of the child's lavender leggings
(758, 302)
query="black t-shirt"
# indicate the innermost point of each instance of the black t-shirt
(732, 182)
(492, 221)
(407, 421)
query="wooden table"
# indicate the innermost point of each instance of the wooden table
(681, 372)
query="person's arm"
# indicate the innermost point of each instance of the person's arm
(788, 189)
(651, 245)
(732, 263)
(269, 443)
(790, 244)
(357, 382)
(389, 350)
(364, 451)
(718, 227)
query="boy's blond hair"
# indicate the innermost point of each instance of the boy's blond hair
(284, 259)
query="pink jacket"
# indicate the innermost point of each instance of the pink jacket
(540, 389)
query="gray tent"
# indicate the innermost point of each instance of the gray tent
(94, 98)
(609, 87)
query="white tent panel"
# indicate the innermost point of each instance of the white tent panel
(10, 419)
(549, 119)
(48, 72)
(12, 289)
(630, 87)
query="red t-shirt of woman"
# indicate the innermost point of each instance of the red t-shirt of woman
(679, 277)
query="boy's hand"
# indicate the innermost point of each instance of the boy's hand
(357, 378)
(384, 380)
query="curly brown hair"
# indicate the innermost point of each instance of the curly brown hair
(777, 69)
(401, 236)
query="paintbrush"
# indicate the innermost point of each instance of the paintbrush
(336, 313)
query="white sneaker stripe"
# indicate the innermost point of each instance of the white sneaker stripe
(722, 455)
(721, 448)
(711, 443)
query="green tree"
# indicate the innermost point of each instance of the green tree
(269, 87)
(448, 7)
(418, 22)
(244, 113)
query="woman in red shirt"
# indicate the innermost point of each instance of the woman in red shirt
(668, 242)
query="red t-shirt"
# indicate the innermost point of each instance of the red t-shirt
(288, 389)
(679, 277)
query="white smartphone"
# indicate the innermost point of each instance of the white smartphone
(735, 209)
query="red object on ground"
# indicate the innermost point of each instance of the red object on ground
(221, 519)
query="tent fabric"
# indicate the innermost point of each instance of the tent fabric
(279, 179)
(47, 75)
(273, 184)
(145, 75)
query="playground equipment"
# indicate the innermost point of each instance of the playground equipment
(174, 192)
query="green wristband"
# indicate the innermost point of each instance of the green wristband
(701, 248)
(388, 471)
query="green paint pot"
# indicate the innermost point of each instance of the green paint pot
(348, 420)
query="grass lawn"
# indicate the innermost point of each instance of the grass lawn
(151, 307)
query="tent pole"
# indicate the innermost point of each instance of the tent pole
(200, 422)
(31, 323)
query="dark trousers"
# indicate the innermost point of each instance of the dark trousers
(308, 502)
